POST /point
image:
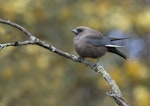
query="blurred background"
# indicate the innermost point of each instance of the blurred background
(33, 76)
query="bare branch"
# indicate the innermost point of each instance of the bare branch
(114, 89)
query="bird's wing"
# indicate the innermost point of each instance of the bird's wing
(104, 41)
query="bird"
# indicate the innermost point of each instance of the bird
(90, 43)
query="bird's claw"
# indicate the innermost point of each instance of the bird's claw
(80, 58)
(94, 66)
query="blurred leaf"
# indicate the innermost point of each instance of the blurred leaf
(142, 96)
(8, 73)
(137, 70)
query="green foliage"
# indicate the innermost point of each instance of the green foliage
(33, 76)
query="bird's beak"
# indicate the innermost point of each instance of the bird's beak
(75, 31)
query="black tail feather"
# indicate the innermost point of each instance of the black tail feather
(115, 39)
(114, 50)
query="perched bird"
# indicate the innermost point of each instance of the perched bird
(91, 43)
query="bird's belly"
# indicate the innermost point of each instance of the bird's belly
(90, 51)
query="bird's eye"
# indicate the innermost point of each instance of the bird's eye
(80, 30)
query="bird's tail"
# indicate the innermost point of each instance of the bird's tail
(114, 50)
(115, 39)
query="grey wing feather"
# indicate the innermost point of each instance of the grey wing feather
(101, 42)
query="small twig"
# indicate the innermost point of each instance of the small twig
(27, 33)
(114, 89)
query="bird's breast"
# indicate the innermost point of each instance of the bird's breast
(87, 50)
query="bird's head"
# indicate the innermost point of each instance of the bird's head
(80, 29)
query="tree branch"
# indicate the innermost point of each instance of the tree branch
(114, 92)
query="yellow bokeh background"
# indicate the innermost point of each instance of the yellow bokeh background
(33, 76)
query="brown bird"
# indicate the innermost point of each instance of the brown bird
(91, 43)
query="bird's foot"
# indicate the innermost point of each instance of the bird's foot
(81, 58)
(94, 66)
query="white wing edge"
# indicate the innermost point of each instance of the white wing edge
(114, 46)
